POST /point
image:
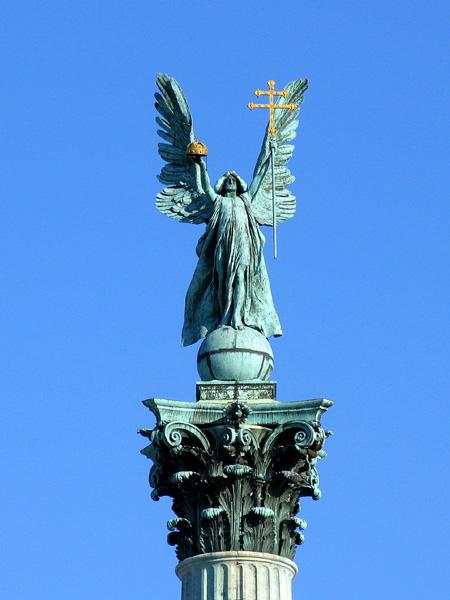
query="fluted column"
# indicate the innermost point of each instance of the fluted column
(236, 576)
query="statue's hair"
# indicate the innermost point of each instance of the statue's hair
(241, 186)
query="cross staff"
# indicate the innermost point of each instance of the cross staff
(271, 92)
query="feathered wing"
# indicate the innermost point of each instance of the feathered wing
(286, 123)
(183, 199)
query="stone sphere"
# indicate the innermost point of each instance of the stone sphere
(229, 354)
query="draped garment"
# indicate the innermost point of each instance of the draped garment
(230, 254)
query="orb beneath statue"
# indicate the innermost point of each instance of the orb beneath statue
(228, 354)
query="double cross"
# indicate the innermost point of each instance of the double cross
(272, 106)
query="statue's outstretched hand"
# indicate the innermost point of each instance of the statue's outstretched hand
(199, 162)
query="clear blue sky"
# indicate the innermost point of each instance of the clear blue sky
(93, 280)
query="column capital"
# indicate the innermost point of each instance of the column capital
(236, 471)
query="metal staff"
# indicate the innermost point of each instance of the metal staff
(273, 145)
(274, 206)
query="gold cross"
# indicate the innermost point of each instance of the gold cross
(271, 106)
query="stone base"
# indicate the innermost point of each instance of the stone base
(232, 391)
(236, 576)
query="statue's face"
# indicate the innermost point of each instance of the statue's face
(229, 184)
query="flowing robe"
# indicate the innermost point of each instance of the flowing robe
(230, 254)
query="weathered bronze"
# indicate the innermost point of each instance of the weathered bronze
(237, 461)
(230, 286)
(236, 472)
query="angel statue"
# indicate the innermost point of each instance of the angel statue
(230, 286)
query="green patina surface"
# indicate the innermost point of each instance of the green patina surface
(236, 462)
(230, 286)
(236, 471)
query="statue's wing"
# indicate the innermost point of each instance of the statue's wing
(286, 123)
(183, 199)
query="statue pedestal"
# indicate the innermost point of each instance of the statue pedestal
(228, 354)
(236, 576)
(232, 391)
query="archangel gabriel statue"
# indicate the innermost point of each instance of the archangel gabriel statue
(230, 289)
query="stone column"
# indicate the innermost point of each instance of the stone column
(236, 464)
(236, 576)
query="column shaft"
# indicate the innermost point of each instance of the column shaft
(236, 576)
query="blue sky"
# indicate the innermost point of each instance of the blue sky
(94, 280)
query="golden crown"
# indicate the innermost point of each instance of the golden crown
(197, 149)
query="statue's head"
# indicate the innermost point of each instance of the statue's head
(231, 184)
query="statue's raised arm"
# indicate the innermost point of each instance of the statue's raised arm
(203, 176)
(184, 198)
